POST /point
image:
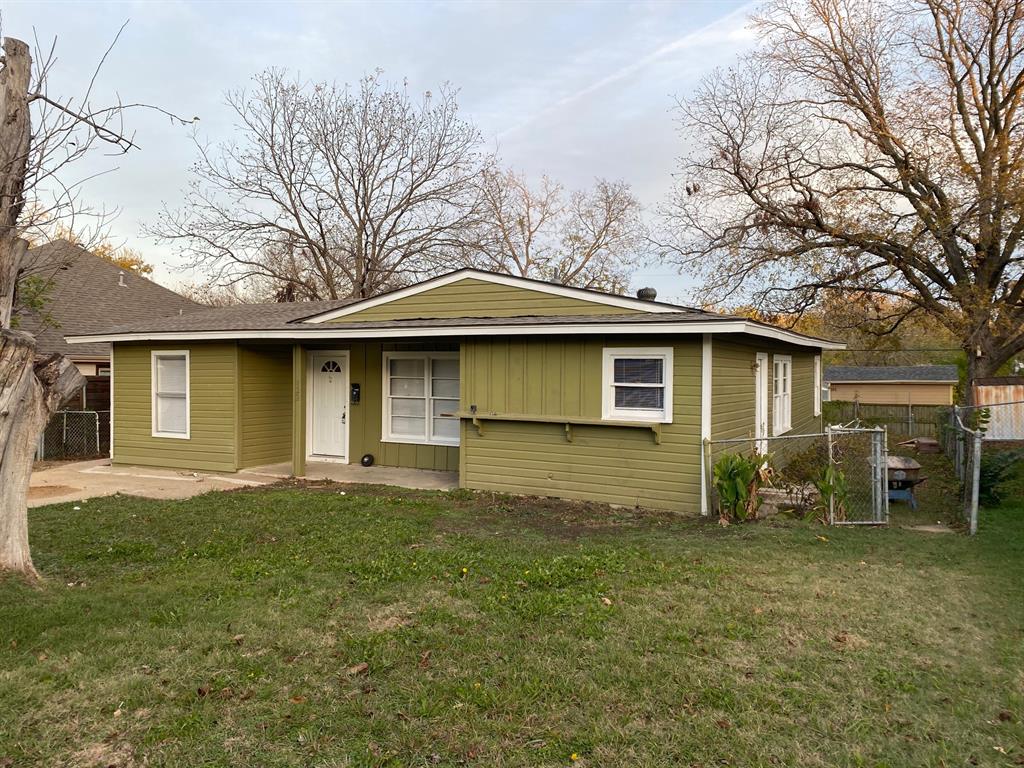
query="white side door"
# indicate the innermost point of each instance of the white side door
(330, 405)
(761, 403)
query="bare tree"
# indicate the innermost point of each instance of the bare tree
(34, 193)
(871, 147)
(336, 191)
(588, 239)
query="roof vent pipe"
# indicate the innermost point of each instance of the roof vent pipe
(120, 280)
(647, 294)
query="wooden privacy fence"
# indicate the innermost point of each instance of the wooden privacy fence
(901, 420)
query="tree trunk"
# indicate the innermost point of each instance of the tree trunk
(977, 368)
(30, 391)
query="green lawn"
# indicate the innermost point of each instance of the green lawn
(387, 628)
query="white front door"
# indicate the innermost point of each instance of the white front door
(761, 403)
(330, 404)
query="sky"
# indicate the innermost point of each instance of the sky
(574, 90)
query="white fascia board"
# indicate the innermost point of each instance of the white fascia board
(301, 332)
(623, 302)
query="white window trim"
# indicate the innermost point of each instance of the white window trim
(817, 385)
(385, 424)
(779, 427)
(654, 416)
(155, 355)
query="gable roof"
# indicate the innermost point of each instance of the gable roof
(86, 296)
(311, 320)
(842, 374)
(624, 303)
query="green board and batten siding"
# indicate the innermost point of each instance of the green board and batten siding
(365, 422)
(470, 297)
(621, 465)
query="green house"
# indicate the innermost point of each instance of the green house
(517, 385)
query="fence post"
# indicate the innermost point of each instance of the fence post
(884, 479)
(831, 494)
(96, 417)
(910, 419)
(976, 482)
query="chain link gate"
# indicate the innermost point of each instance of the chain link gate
(75, 435)
(840, 474)
(858, 470)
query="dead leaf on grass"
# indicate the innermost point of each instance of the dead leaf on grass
(358, 669)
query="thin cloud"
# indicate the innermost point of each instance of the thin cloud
(725, 29)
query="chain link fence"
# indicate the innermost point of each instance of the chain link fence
(970, 435)
(75, 435)
(839, 474)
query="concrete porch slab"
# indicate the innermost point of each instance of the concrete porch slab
(421, 479)
(75, 481)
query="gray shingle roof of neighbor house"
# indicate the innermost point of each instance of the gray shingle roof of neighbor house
(944, 374)
(88, 294)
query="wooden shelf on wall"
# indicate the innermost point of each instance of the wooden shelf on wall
(568, 422)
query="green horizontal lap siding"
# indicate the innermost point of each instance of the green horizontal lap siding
(365, 418)
(619, 465)
(265, 382)
(732, 391)
(803, 418)
(212, 393)
(476, 298)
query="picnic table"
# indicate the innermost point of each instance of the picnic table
(902, 475)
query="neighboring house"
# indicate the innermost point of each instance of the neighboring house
(518, 385)
(87, 293)
(893, 384)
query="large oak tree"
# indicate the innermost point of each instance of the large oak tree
(871, 147)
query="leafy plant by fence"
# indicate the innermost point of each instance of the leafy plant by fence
(838, 474)
(901, 420)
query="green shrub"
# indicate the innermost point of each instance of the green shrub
(1001, 476)
(737, 479)
(832, 483)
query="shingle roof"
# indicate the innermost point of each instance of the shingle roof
(938, 373)
(286, 321)
(86, 297)
(241, 317)
(273, 317)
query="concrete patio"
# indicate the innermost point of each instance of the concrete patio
(423, 479)
(76, 481)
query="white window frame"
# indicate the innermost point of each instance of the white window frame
(785, 398)
(817, 385)
(652, 415)
(155, 356)
(427, 357)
